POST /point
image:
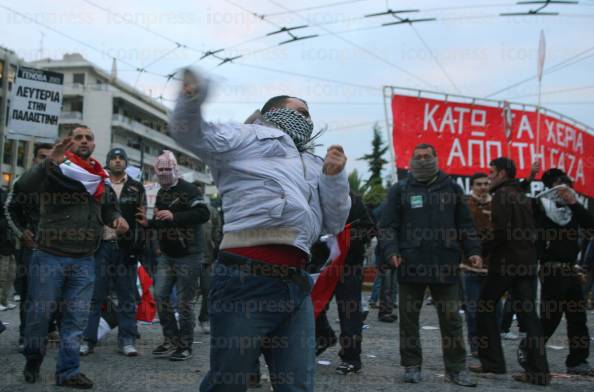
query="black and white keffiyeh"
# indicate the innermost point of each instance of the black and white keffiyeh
(293, 124)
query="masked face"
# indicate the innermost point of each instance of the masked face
(166, 169)
(294, 123)
(165, 177)
(423, 165)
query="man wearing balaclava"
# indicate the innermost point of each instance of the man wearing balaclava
(179, 209)
(277, 198)
(424, 227)
(560, 217)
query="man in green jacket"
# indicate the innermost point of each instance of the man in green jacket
(75, 202)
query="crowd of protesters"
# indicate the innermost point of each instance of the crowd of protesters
(75, 231)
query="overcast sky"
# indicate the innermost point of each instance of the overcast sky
(469, 49)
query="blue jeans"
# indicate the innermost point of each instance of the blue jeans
(250, 313)
(472, 292)
(53, 280)
(375, 289)
(112, 265)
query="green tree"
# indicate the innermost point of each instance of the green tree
(356, 183)
(375, 159)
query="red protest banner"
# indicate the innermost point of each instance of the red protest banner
(468, 136)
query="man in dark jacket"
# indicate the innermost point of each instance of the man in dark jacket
(75, 204)
(7, 266)
(116, 260)
(512, 266)
(423, 224)
(348, 292)
(559, 218)
(22, 216)
(179, 209)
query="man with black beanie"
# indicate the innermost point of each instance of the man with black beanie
(116, 260)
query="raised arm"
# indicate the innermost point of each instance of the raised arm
(334, 191)
(188, 128)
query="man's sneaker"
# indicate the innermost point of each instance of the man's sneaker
(583, 369)
(460, 378)
(541, 379)
(348, 367)
(16, 298)
(509, 336)
(86, 349)
(181, 354)
(387, 318)
(481, 370)
(205, 327)
(3, 308)
(164, 350)
(323, 343)
(10, 306)
(412, 375)
(31, 371)
(79, 381)
(129, 350)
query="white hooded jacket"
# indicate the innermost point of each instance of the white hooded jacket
(271, 193)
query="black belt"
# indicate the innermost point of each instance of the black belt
(261, 268)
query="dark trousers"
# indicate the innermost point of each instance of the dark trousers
(388, 291)
(446, 298)
(348, 301)
(561, 293)
(204, 281)
(490, 351)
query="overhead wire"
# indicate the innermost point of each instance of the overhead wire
(362, 48)
(578, 57)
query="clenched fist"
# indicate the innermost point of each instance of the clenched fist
(335, 160)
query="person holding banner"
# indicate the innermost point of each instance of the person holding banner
(277, 199)
(116, 260)
(512, 266)
(75, 204)
(424, 225)
(559, 218)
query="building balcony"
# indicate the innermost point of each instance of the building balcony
(149, 133)
(70, 117)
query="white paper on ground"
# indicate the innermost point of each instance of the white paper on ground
(429, 328)
(325, 363)
(555, 347)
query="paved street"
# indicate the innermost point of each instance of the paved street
(113, 372)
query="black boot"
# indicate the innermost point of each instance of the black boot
(31, 371)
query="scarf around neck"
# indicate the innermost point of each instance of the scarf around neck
(554, 208)
(293, 124)
(424, 170)
(89, 173)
